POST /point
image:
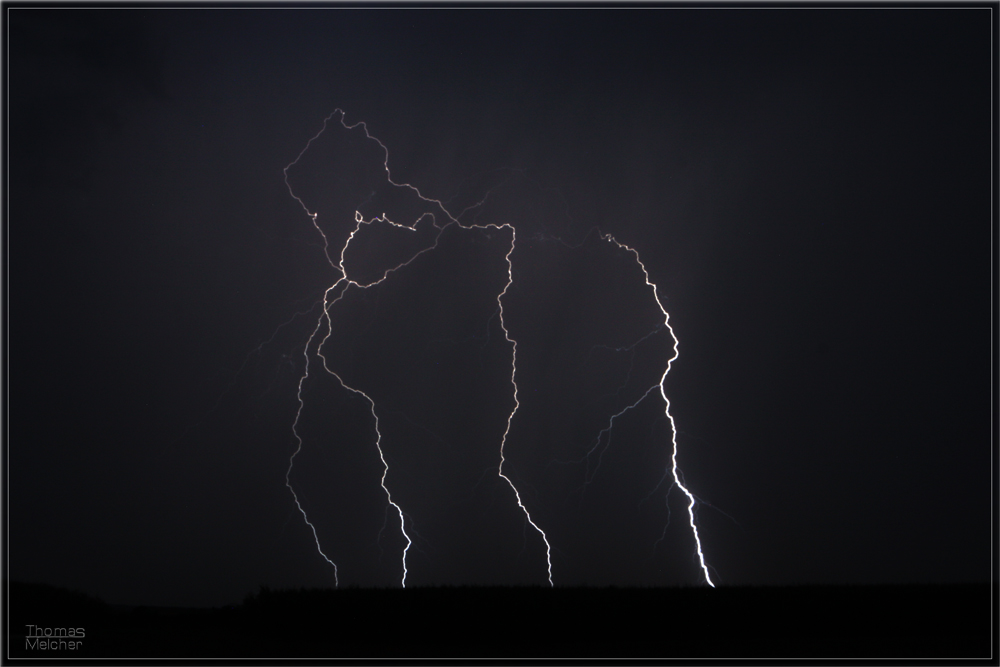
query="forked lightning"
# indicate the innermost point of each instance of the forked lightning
(345, 282)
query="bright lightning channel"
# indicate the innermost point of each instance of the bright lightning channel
(517, 404)
(348, 283)
(345, 283)
(674, 469)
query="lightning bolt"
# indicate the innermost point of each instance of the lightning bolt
(517, 404)
(291, 460)
(344, 283)
(348, 282)
(674, 469)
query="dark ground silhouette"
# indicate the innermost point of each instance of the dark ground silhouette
(907, 622)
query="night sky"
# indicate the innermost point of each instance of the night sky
(810, 189)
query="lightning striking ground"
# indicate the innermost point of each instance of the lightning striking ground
(344, 283)
(517, 404)
(674, 469)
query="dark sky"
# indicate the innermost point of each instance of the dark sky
(810, 190)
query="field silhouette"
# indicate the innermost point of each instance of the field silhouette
(926, 621)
